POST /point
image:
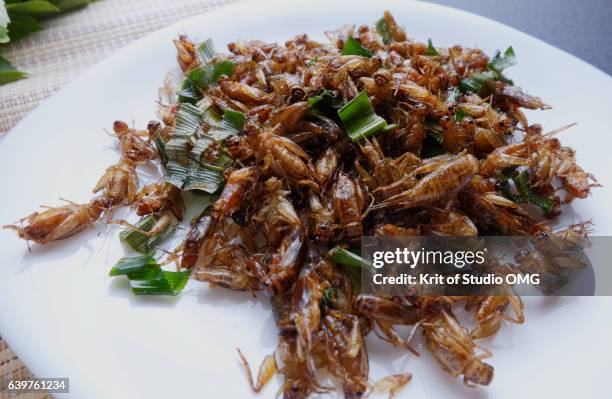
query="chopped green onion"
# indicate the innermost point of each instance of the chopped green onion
(206, 51)
(359, 118)
(523, 185)
(352, 46)
(431, 50)
(383, 30)
(140, 242)
(206, 75)
(344, 257)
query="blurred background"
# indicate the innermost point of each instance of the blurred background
(45, 44)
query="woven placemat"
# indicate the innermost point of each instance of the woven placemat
(61, 51)
(70, 43)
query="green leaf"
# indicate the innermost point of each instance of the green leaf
(207, 177)
(460, 115)
(523, 185)
(210, 116)
(434, 131)
(326, 100)
(22, 25)
(69, 5)
(344, 257)
(206, 75)
(482, 83)
(359, 119)
(176, 174)
(187, 123)
(204, 177)
(158, 282)
(352, 46)
(8, 73)
(501, 62)
(383, 30)
(140, 242)
(231, 124)
(185, 168)
(206, 51)
(32, 7)
(187, 93)
(176, 149)
(431, 50)
(161, 148)
(147, 278)
(126, 266)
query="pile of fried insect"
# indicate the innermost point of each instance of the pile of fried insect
(305, 147)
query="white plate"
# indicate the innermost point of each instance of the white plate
(65, 318)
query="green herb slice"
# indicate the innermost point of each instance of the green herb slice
(207, 75)
(147, 278)
(501, 62)
(344, 257)
(431, 50)
(142, 243)
(206, 51)
(231, 124)
(126, 266)
(383, 30)
(353, 46)
(527, 194)
(359, 118)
